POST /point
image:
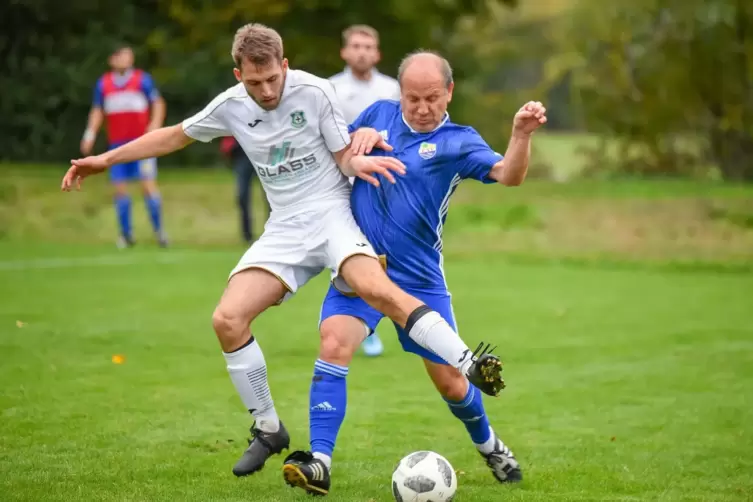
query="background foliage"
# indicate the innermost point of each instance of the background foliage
(667, 85)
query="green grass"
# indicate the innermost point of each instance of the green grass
(633, 220)
(622, 310)
(622, 384)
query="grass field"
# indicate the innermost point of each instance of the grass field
(629, 382)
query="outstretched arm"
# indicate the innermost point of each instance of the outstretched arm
(204, 126)
(153, 144)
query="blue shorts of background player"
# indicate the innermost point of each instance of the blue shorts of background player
(134, 171)
(336, 303)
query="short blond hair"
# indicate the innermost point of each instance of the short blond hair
(258, 44)
(360, 29)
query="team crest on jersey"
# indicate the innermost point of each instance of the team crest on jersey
(385, 135)
(297, 119)
(427, 150)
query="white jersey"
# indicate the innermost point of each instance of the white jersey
(291, 146)
(356, 95)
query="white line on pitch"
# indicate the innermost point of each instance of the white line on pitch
(111, 260)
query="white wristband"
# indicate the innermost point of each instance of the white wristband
(89, 135)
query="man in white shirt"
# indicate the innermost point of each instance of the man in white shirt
(290, 125)
(359, 86)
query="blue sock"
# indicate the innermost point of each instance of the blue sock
(471, 412)
(123, 210)
(154, 206)
(327, 403)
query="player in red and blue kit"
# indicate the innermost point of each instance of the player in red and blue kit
(128, 102)
(403, 221)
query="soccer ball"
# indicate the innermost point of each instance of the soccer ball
(424, 476)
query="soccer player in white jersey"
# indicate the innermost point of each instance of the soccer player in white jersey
(359, 86)
(289, 124)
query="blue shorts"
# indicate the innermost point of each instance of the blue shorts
(139, 170)
(336, 303)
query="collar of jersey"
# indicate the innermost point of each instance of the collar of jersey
(286, 85)
(444, 121)
(121, 80)
(349, 73)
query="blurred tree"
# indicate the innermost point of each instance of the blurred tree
(672, 80)
(54, 54)
(506, 55)
(51, 57)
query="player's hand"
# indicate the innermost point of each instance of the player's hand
(87, 145)
(529, 118)
(366, 139)
(366, 167)
(80, 169)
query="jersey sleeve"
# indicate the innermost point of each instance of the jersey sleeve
(477, 158)
(149, 88)
(209, 123)
(98, 99)
(332, 123)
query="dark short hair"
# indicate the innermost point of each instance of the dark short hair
(120, 46)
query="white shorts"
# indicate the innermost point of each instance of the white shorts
(297, 248)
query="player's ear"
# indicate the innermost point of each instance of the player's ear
(449, 91)
(342, 54)
(378, 56)
(237, 74)
(284, 64)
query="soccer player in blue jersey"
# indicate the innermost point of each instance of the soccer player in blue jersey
(403, 222)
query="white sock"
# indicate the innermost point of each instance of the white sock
(488, 446)
(324, 458)
(433, 333)
(248, 371)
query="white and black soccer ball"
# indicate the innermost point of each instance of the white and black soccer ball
(424, 476)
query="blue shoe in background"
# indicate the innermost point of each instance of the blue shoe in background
(372, 346)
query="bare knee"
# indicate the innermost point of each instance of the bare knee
(231, 329)
(449, 382)
(340, 338)
(121, 189)
(149, 187)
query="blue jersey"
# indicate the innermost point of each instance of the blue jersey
(404, 221)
